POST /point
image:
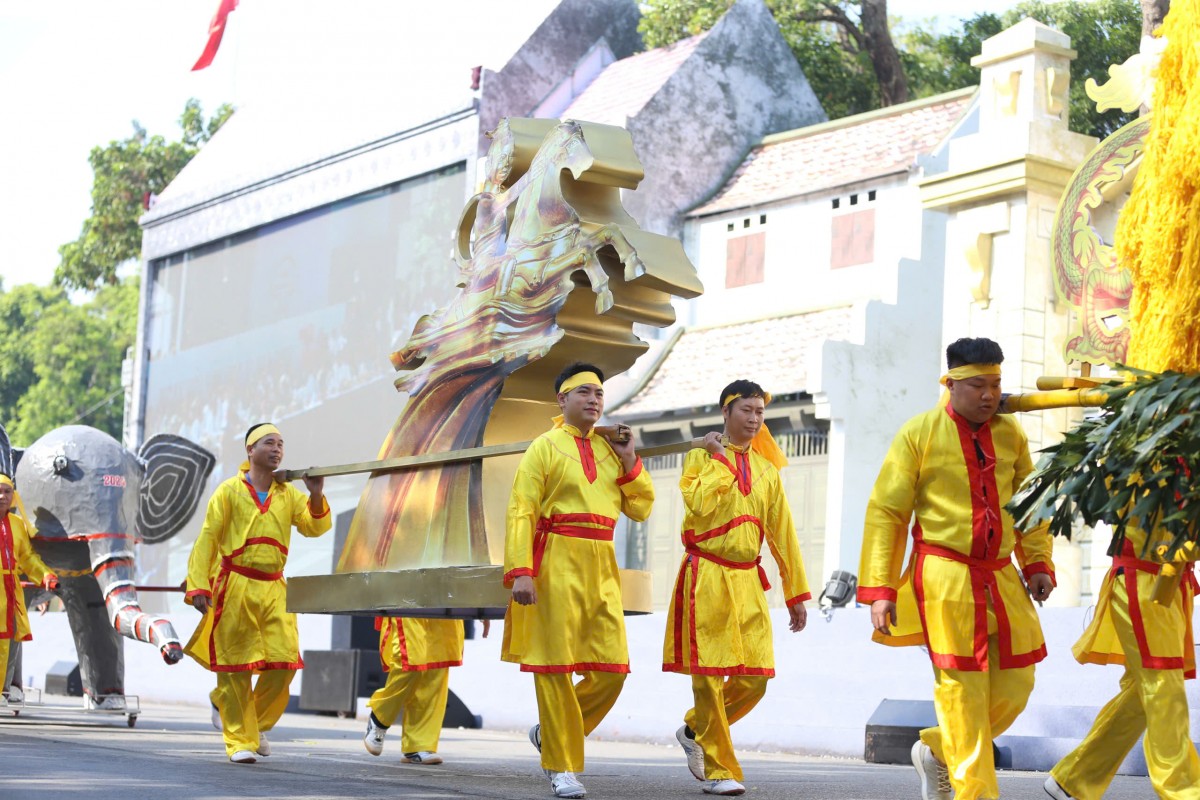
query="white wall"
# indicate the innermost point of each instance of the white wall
(796, 273)
(830, 679)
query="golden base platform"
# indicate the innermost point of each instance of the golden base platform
(433, 592)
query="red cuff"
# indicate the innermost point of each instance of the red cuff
(323, 514)
(198, 592)
(519, 572)
(1039, 568)
(798, 599)
(632, 474)
(869, 594)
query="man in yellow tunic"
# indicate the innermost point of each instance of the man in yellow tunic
(566, 615)
(235, 578)
(16, 556)
(416, 654)
(955, 467)
(718, 626)
(1154, 641)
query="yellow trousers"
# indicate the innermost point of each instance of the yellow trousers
(720, 702)
(418, 699)
(973, 708)
(4, 662)
(569, 711)
(246, 712)
(1152, 701)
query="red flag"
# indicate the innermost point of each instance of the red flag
(216, 29)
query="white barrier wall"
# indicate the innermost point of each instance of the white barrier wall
(830, 679)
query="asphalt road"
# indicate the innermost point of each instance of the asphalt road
(173, 753)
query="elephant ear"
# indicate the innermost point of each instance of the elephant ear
(176, 472)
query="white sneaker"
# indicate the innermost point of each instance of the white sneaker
(535, 736)
(112, 702)
(695, 753)
(373, 740)
(565, 784)
(935, 778)
(726, 786)
(243, 757)
(422, 757)
(216, 716)
(15, 694)
(264, 747)
(1054, 790)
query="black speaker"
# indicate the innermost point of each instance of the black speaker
(894, 728)
(459, 716)
(63, 678)
(329, 681)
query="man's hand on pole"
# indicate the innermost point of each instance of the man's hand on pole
(625, 451)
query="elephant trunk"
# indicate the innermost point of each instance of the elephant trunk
(113, 565)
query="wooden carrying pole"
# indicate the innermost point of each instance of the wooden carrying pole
(619, 433)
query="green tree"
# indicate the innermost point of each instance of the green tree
(125, 172)
(70, 355)
(21, 311)
(839, 67)
(1103, 32)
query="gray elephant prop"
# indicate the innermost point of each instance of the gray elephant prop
(92, 501)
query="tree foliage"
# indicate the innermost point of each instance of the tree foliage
(839, 68)
(125, 173)
(60, 362)
(1133, 464)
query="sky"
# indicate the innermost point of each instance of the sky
(74, 74)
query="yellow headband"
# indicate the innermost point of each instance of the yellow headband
(579, 379)
(255, 435)
(969, 371)
(7, 481)
(260, 432)
(766, 398)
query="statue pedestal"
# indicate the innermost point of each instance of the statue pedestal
(434, 592)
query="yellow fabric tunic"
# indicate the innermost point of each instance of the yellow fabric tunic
(1163, 632)
(957, 480)
(718, 622)
(565, 501)
(238, 561)
(16, 556)
(411, 644)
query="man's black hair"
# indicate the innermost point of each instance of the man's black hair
(575, 369)
(743, 387)
(973, 351)
(253, 428)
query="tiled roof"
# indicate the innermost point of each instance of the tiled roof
(625, 86)
(771, 352)
(841, 152)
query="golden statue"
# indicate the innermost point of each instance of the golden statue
(551, 270)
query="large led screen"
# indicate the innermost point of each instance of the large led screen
(293, 323)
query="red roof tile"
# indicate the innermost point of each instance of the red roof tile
(625, 86)
(839, 153)
(771, 352)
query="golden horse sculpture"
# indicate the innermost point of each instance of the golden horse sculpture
(551, 270)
